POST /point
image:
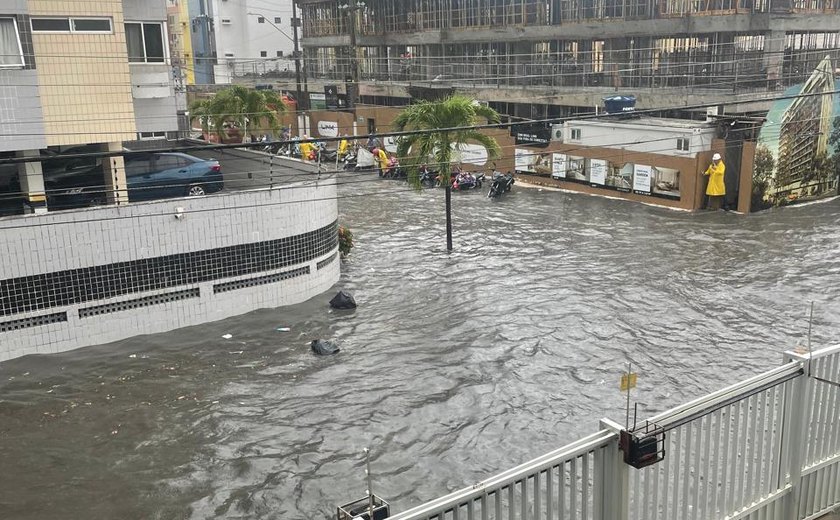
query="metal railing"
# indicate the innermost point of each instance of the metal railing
(768, 448)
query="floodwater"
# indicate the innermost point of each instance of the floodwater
(454, 367)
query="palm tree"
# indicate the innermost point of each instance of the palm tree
(239, 106)
(443, 126)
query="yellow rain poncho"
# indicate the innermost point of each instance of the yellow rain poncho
(715, 172)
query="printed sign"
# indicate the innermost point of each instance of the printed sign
(532, 135)
(472, 154)
(327, 128)
(390, 144)
(598, 171)
(331, 96)
(628, 381)
(641, 178)
(522, 159)
(558, 165)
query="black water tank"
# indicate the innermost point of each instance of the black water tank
(619, 104)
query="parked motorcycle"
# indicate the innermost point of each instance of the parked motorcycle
(429, 178)
(501, 183)
(464, 182)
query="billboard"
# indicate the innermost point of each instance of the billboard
(797, 155)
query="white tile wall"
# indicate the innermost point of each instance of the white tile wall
(74, 239)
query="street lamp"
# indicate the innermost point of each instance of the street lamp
(294, 41)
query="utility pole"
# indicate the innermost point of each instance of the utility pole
(295, 25)
(354, 54)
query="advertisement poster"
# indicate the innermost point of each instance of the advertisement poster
(532, 161)
(558, 165)
(317, 101)
(598, 171)
(798, 151)
(522, 159)
(666, 182)
(576, 169)
(641, 178)
(620, 176)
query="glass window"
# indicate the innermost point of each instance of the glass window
(136, 166)
(92, 25)
(277, 19)
(50, 25)
(11, 54)
(134, 40)
(279, 54)
(153, 34)
(145, 42)
(260, 20)
(167, 162)
(263, 54)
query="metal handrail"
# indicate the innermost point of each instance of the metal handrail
(503, 480)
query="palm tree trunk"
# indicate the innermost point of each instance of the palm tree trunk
(448, 217)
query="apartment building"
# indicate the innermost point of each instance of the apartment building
(252, 38)
(550, 58)
(84, 75)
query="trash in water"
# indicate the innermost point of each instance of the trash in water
(283, 329)
(227, 336)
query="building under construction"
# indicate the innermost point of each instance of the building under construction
(548, 58)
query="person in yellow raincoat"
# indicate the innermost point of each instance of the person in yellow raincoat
(383, 159)
(716, 189)
(306, 149)
(343, 145)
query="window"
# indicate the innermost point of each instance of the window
(576, 134)
(11, 53)
(263, 54)
(51, 25)
(260, 20)
(226, 21)
(683, 143)
(94, 25)
(145, 42)
(74, 25)
(151, 135)
(229, 55)
(277, 19)
(279, 54)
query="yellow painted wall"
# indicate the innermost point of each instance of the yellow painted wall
(84, 79)
(186, 43)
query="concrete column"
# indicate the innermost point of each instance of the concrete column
(114, 172)
(774, 46)
(31, 180)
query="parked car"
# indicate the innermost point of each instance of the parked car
(164, 175)
(74, 182)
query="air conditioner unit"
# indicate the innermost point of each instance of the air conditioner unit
(557, 133)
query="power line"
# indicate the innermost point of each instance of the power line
(406, 133)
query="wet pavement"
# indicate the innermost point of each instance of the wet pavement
(454, 366)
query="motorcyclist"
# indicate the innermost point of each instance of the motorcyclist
(393, 164)
(382, 159)
(307, 150)
(343, 146)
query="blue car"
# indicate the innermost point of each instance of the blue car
(153, 176)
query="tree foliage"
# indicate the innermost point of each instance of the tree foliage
(448, 123)
(240, 106)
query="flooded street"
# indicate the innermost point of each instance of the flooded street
(454, 367)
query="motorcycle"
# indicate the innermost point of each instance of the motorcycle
(501, 183)
(429, 178)
(466, 182)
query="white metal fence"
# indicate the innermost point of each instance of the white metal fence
(767, 448)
